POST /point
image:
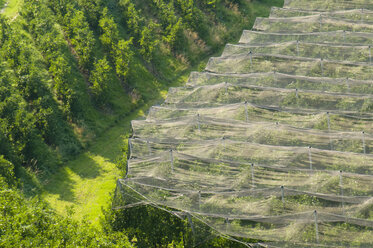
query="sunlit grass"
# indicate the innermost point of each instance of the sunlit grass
(86, 182)
(11, 10)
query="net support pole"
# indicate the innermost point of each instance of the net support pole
(362, 15)
(364, 147)
(198, 123)
(316, 226)
(127, 169)
(282, 195)
(348, 84)
(252, 175)
(149, 149)
(226, 224)
(246, 112)
(328, 121)
(344, 35)
(341, 187)
(322, 67)
(199, 200)
(298, 48)
(172, 160)
(310, 157)
(296, 93)
(223, 143)
(251, 58)
(130, 147)
(320, 22)
(191, 223)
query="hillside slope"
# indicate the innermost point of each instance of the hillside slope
(71, 72)
(272, 144)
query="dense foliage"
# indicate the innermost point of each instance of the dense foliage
(71, 69)
(30, 222)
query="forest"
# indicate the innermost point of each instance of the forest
(70, 71)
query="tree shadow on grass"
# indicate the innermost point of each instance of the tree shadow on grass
(62, 183)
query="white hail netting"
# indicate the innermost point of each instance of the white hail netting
(334, 37)
(274, 141)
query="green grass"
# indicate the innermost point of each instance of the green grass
(85, 182)
(11, 9)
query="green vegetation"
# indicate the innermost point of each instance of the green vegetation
(12, 7)
(272, 141)
(72, 76)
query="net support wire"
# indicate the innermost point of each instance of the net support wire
(343, 113)
(317, 216)
(257, 75)
(276, 168)
(156, 205)
(270, 219)
(271, 192)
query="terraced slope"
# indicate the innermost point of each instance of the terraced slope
(273, 142)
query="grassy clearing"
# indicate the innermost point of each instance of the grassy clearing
(11, 9)
(83, 183)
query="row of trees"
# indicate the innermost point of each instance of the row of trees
(30, 223)
(67, 56)
(33, 125)
(68, 67)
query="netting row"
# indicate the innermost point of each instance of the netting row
(311, 67)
